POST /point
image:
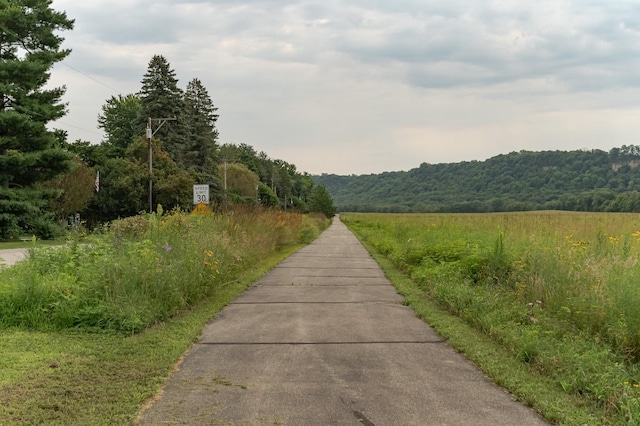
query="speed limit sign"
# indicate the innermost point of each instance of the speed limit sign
(200, 194)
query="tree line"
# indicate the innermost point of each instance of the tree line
(185, 151)
(45, 180)
(581, 180)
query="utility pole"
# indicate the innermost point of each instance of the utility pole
(227, 161)
(225, 177)
(150, 134)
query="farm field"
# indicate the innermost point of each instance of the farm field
(557, 292)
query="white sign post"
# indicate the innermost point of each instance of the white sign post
(200, 194)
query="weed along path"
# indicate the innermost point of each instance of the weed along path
(323, 339)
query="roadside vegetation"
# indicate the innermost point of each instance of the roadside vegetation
(553, 298)
(91, 329)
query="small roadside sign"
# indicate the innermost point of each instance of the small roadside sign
(201, 209)
(200, 194)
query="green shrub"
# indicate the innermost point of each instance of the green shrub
(45, 228)
(134, 226)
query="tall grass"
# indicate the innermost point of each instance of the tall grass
(560, 290)
(142, 270)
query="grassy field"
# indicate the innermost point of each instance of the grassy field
(92, 329)
(554, 296)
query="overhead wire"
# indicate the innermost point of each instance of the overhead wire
(90, 77)
(5, 29)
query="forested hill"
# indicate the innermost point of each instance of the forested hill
(556, 180)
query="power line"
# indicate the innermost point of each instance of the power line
(76, 127)
(8, 31)
(95, 80)
(90, 77)
(31, 112)
(5, 29)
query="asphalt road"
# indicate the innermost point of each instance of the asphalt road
(323, 339)
(10, 256)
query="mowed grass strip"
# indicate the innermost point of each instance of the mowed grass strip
(29, 243)
(67, 378)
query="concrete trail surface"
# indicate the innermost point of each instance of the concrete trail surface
(323, 339)
(10, 256)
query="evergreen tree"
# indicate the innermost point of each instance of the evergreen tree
(266, 196)
(201, 150)
(160, 97)
(29, 154)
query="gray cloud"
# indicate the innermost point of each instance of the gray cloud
(586, 45)
(583, 48)
(292, 75)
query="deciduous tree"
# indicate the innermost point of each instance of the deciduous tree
(172, 186)
(239, 179)
(119, 120)
(78, 186)
(322, 202)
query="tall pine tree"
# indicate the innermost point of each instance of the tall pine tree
(201, 149)
(29, 47)
(160, 97)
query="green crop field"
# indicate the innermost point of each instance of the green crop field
(557, 292)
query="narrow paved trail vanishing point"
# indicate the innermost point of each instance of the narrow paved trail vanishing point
(324, 339)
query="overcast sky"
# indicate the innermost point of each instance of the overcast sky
(358, 87)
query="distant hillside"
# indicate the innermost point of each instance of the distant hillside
(549, 180)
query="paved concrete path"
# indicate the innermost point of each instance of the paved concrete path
(323, 339)
(11, 256)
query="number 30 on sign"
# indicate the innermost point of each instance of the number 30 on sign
(200, 194)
